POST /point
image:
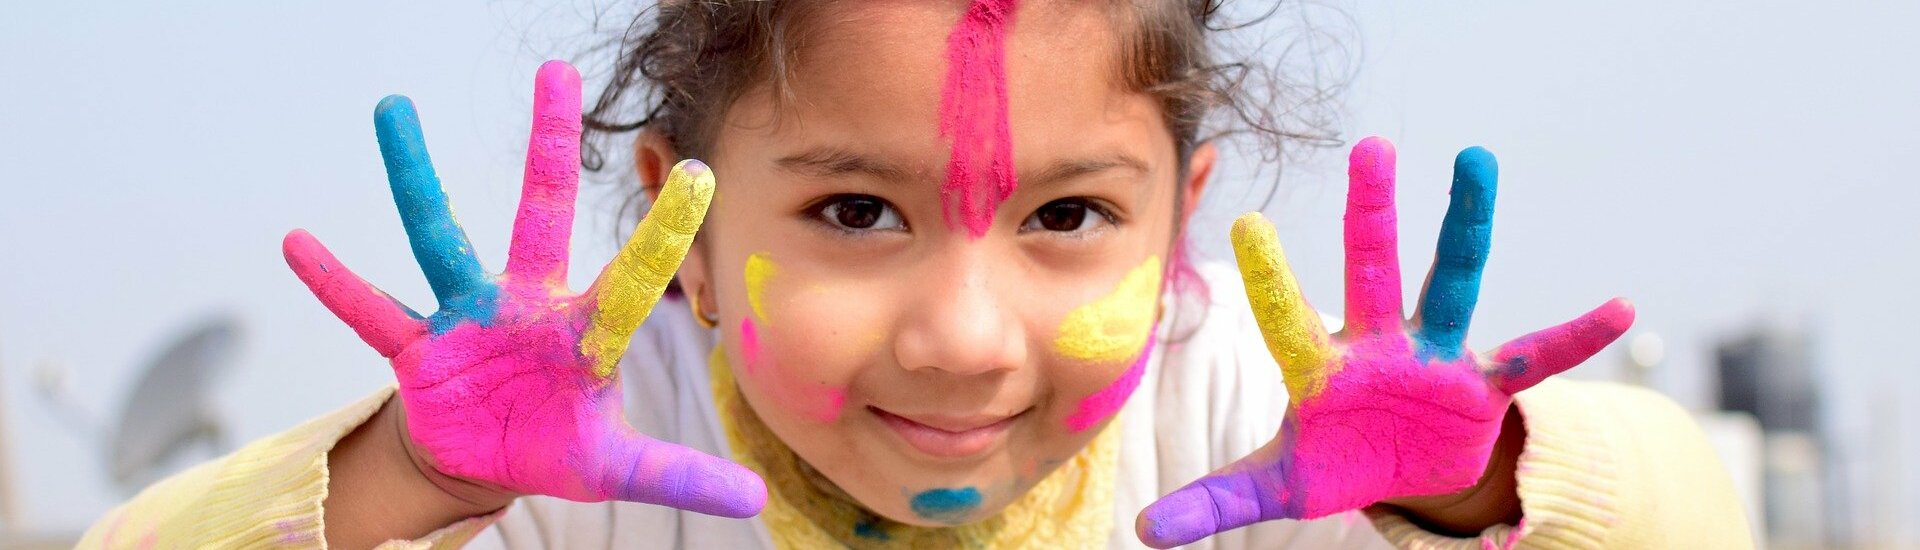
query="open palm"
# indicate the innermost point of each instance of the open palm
(1386, 408)
(513, 382)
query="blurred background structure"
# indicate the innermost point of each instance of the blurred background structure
(1740, 169)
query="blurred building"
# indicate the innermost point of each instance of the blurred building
(1768, 372)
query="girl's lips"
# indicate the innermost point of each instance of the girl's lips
(947, 436)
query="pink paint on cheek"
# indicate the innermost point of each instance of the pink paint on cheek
(973, 113)
(1105, 403)
(818, 402)
(749, 345)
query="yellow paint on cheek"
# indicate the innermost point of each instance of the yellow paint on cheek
(759, 269)
(1114, 327)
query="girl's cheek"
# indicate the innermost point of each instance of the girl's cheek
(1115, 329)
(793, 350)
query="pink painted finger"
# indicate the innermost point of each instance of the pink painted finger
(642, 469)
(1251, 490)
(545, 222)
(1373, 249)
(381, 321)
(1525, 361)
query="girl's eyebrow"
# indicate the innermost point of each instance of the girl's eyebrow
(1066, 169)
(834, 161)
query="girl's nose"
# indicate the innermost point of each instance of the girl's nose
(958, 322)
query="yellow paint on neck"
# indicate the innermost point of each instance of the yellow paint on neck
(1114, 327)
(759, 269)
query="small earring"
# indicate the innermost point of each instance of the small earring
(699, 316)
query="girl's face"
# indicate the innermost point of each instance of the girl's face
(932, 375)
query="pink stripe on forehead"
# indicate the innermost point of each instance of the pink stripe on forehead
(973, 113)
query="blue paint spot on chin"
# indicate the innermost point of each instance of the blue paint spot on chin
(867, 529)
(946, 505)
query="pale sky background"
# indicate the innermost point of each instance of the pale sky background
(1719, 162)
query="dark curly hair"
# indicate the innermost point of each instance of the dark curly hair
(679, 67)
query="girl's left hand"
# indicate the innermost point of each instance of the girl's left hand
(1386, 408)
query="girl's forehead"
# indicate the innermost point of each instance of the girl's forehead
(941, 90)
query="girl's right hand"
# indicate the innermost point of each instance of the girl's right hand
(514, 382)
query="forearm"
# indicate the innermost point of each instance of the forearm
(267, 493)
(378, 490)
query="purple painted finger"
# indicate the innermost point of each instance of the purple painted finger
(1525, 361)
(544, 224)
(1373, 249)
(1251, 490)
(379, 320)
(642, 469)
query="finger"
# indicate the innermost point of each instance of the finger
(1373, 256)
(1525, 361)
(439, 244)
(1446, 307)
(642, 469)
(628, 288)
(381, 321)
(1292, 329)
(544, 224)
(1251, 490)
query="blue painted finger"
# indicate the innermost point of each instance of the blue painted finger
(1446, 308)
(439, 244)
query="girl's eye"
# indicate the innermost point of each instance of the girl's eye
(859, 213)
(1067, 215)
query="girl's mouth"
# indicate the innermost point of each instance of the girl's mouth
(947, 436)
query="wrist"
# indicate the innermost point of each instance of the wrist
(453, 493)
(377, 490)
(1493, 500)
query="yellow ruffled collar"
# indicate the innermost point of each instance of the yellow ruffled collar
(1071, 508)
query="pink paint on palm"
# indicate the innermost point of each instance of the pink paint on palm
(511, 399)
(1442, 419)
(973, 113)
(1105, 403)
(1392, 420)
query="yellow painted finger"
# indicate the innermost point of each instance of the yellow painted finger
(630, 286)
(1291, 327)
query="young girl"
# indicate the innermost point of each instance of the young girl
(936, 300)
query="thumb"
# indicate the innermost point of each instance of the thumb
(1251, 490)
(642, 469)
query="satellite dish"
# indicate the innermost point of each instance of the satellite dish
(169, 411)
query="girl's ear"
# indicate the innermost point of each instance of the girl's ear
(1199, 171)
(653, 157)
